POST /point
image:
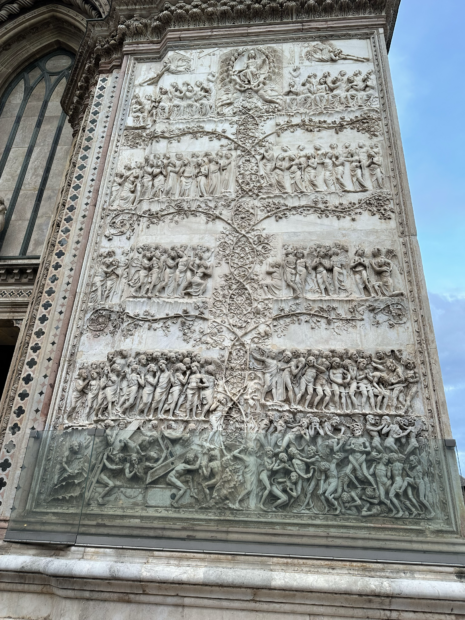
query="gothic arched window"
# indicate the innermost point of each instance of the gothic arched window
(34, 145)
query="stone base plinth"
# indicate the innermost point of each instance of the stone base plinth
(108, 584)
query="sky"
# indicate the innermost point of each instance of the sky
(427, 61)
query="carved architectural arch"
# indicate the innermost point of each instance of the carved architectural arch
(35, 34)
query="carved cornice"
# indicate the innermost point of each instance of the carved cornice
(20, 272)
(11, 9)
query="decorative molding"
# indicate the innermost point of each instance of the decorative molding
(51, 274)
(13, 8)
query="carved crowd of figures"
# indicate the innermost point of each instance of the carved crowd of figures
(330, 92)
(305, 430)
(179, 175)
(375, 468)
(174, 385)
(178, 100)
(177, 271)
(327, 270)
(354, 168)
(183, 385)
(341, 381)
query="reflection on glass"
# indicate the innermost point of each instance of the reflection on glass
(34, 143)
(52, 486)
(150, 478)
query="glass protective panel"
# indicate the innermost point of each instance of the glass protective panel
(52, 485)
(180, 485)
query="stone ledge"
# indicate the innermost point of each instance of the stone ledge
(245, 583)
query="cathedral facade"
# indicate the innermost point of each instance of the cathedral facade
(222, 393)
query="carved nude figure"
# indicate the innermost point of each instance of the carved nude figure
(179, 473)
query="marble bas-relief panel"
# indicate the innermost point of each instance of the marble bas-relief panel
(245, 331)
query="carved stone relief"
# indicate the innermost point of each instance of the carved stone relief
(245, 331)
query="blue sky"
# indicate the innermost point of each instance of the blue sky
(427, 60)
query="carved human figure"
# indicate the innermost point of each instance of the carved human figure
(338, 167)
(301, 272)
(270, 372)
(355, 167)
(359, 447)
(339, 378)
(359, 268)
(150, 382)
(79, 394)
(307, 381)
(290, 269)
(249, 473)
(399, 484)
(412, 379)
(280, 169)
(267, 164)
(173, 166)
(112, 462)
(382, 268)
(418, 476)
(162, 388)
(273, 284)
(311, 173)
(321, 383)
(134, 382)
(253, 71)
(106, 277)
(179, 475)
(375, 167)
(322, 265)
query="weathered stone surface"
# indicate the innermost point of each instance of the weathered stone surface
(244, 331)
(238, 310)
